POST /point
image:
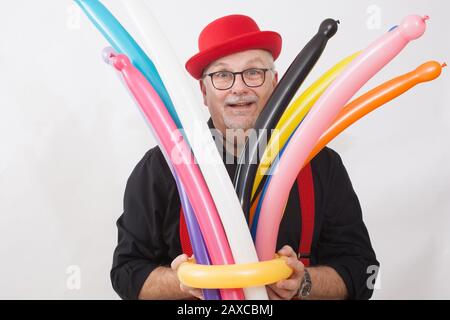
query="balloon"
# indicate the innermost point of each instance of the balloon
(200, 139)
(195, 236)
(257, 210)
(291, 118)
(198, 244)
(375, 98)
(253, 208)
(275, 106)
(293, 115)
(232, 276)
(392, 28)
(173, 142)
(122, 42)
(359, 108)
(365, 66)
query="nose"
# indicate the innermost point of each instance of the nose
(239, 87)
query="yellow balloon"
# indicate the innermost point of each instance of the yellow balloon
(233, 275)
(294, 114)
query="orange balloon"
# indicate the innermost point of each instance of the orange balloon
(254, 204)
(375, 98)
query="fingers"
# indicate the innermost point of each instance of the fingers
(175, 265)
(286, 289)
(287, 251)
(276, 293)
(192, 291)
(292, 261)
(178, 261)
(297, 266)
(289, 284)
(272, 294)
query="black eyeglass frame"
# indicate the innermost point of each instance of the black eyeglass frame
(234, 77)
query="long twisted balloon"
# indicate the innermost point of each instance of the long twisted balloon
(364, 67)
(188, 172)
(274, 108)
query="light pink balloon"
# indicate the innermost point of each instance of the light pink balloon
(364, 67)
(183, 163)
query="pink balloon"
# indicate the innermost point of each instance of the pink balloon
(364, 67)
(183, 163)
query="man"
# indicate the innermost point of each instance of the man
(235, 68)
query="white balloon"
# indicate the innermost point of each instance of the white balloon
(205, 150)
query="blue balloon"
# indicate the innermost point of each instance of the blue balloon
(254, 226)
(392, 28)
(122, 42)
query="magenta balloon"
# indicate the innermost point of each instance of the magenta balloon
(184, 165)
(364, 67)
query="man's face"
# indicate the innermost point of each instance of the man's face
(239, 106)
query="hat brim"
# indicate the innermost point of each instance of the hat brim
(266, 40)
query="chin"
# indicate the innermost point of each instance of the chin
(243, 124)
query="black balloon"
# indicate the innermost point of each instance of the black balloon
(274, 108)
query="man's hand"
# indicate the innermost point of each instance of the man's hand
(192, 291)
(286, 289)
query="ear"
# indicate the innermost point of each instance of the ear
(203, 89)
(275, 79)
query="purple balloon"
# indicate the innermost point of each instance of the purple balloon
(195, 235)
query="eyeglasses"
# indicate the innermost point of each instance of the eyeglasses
(224, 80)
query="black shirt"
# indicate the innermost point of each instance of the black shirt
(148, 229)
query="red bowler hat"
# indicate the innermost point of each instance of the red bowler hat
(228, 35)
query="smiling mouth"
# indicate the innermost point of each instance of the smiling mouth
(240, 104)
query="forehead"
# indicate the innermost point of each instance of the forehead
(241, 60)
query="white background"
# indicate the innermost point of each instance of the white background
(70, 136)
